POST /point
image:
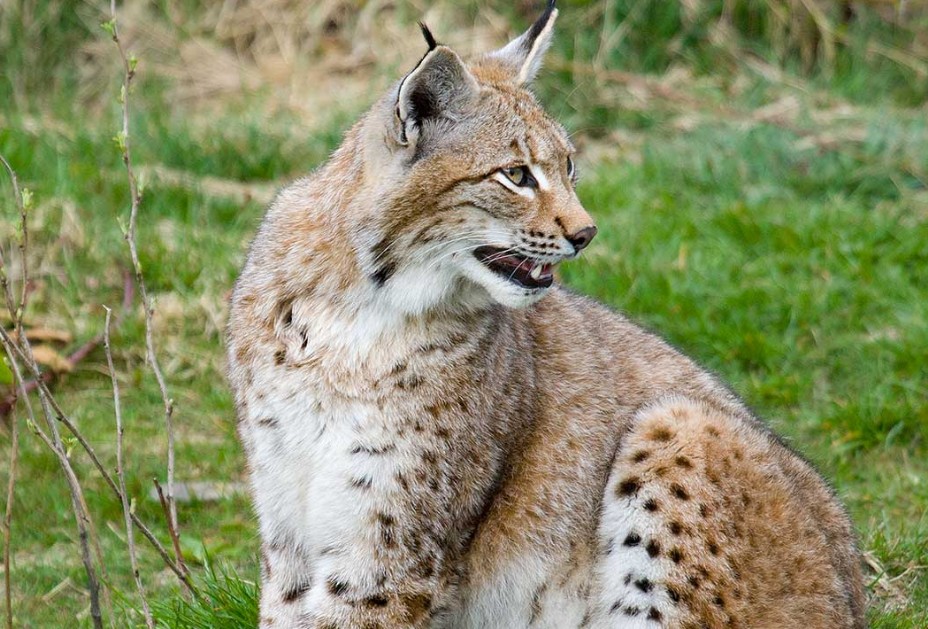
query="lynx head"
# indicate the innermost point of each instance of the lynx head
(473, 182)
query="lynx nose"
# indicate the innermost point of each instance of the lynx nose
(582, 238)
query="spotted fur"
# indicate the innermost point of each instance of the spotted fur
(433, 444)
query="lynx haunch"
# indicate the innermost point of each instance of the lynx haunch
(438, 436)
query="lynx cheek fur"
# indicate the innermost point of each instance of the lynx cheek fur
(437, 437)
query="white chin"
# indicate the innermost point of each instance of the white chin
(501, 290)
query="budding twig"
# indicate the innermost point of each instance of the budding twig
(79, 354)
(16, 314)
(182, 574)
(120, 474)
(136, 197)
(86, 532)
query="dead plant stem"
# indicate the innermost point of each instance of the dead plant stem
(126, 146)
(120, 474)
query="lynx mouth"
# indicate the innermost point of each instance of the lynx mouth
(519, 270)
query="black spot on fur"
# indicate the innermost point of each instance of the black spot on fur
(676, 555)
(644, 585)
(676, 528)
(683, 462)
(628, 487)
(654, 614)
(628, 579)
(384, 273)
(693, 581)
(631, 611)
(673, 594)
(679, 492)
(295, 593)
(653, 548)
(280, 356)
(632, 539)
(719, 601)
(650, 505)
(615, 607)
(361, 483)
(703, 511)
(336, 586)
(713, 548)
(373, 450)
(377, 600)
(386, 529)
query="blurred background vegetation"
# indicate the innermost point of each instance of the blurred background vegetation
(758, 170)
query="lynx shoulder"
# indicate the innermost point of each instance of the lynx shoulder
(439, 436)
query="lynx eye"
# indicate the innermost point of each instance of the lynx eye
(571, 169)
(520, 176)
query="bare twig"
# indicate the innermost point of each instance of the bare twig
(120, 474)
(23, 246)
(78, 505)
(75, 357)
(17, 316)
(175, 536)
(136, 197)
(21, 347)
(182, 574)
(8, 521)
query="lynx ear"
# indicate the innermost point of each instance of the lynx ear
(524, 54)
(439, 87)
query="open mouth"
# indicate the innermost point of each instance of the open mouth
(524, 272)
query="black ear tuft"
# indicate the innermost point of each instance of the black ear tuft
(539, 25)
(430, 39)
(523, 55)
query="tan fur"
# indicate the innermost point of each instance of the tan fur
(425, 454)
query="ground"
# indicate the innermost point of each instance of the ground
(767, 218)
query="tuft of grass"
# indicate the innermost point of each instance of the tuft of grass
(226, 601)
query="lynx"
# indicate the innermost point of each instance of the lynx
(439, 436)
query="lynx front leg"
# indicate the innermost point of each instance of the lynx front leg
(348, 585)
(285, 580)
(382, 569)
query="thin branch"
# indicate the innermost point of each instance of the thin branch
(120, 473)
(8, 521)
(75, 357)
(136, 197)
(175, 535)
(182, 574)
(17, 316)
(86, 530)
(77, 503)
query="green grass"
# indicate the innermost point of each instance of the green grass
(791, 263)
